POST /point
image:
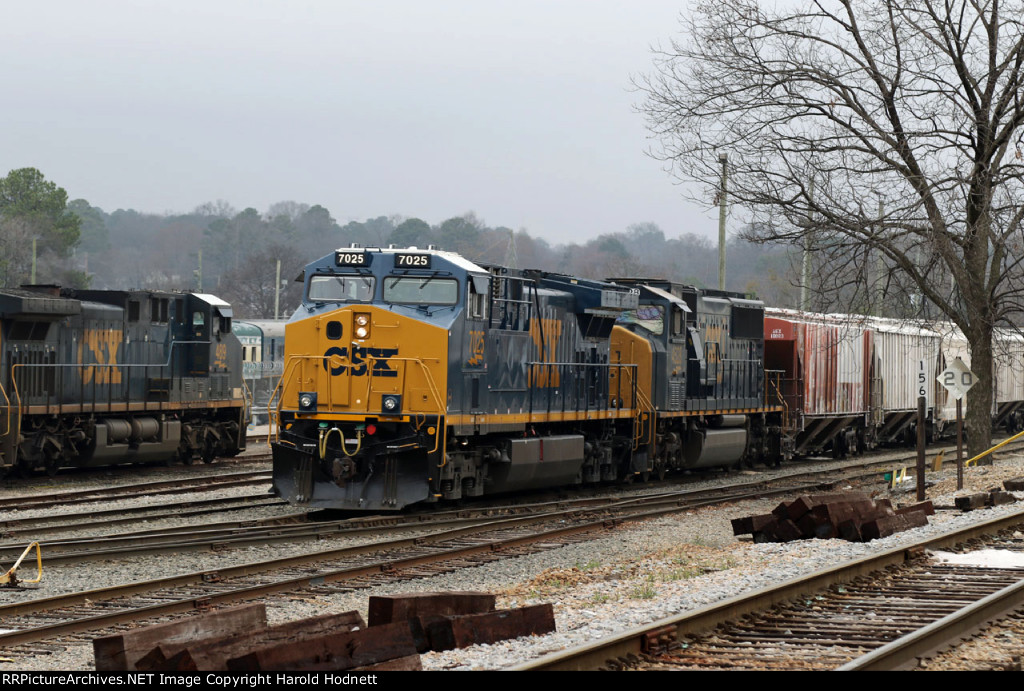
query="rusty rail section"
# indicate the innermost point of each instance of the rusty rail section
(178, 486)
(658, 637)
(903, 653)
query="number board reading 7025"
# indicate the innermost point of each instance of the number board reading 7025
(412, 261)
(343, 258)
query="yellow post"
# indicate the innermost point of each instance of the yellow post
(11, 577)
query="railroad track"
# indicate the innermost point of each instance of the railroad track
(127, 491)
(100, 520)
(315, 575)
(880, 612)
(296, 527)
(455, 540)
(41, 625)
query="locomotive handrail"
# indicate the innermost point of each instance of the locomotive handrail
(532, 366)
(7, 407)
(294, 360)
(248, 398)
(647, 406)
(724, 387)
(433, 392)
(168, 363)
(774, 383)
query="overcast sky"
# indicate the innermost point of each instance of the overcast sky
(520, 111)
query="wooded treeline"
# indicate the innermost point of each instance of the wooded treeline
(240, 249)
(234, 254)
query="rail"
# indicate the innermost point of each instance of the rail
(645, 406)
(586, 392)
(7, 407)
(440, 434)
(732, 379)
(636, 642)
(16, 367)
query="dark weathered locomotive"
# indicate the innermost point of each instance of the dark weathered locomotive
(93, 377)
(414, 376)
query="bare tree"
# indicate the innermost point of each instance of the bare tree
(884, 134)
(251, 288)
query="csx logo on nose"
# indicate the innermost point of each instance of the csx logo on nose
(357, 365)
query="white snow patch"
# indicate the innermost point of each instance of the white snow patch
(990, 558)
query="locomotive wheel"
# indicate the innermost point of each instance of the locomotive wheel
(209, 451)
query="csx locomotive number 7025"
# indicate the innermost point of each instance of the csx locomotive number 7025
(416, 375)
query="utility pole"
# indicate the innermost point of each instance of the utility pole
(721, 222)
(805, 274)
(277, 291)
(876, 289)
(805, 279)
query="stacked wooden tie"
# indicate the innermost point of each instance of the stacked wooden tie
(992, 497)
(401, 627)
(852, 516)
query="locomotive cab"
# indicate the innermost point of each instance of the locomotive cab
(365, 379)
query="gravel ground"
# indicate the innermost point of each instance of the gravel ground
(632, 576)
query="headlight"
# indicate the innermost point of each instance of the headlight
(391, 404)
(362, 332)
(362, 319)
(307, 400)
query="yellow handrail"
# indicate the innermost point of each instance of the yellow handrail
(644, 404)
(294, 360)
(370, 360)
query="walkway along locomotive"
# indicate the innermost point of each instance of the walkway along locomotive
(90, 377)
(415, 376)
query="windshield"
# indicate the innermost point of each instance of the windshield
(421, 290)
(649, 317)
(341, 288)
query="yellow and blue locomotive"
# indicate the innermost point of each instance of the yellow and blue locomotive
(701, 377)
(413, 376)
(93, 377)
(416, 375)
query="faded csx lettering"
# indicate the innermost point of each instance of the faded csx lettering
(100, 346)
(357, 361)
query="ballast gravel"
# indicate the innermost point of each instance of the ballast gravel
(632, 576)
